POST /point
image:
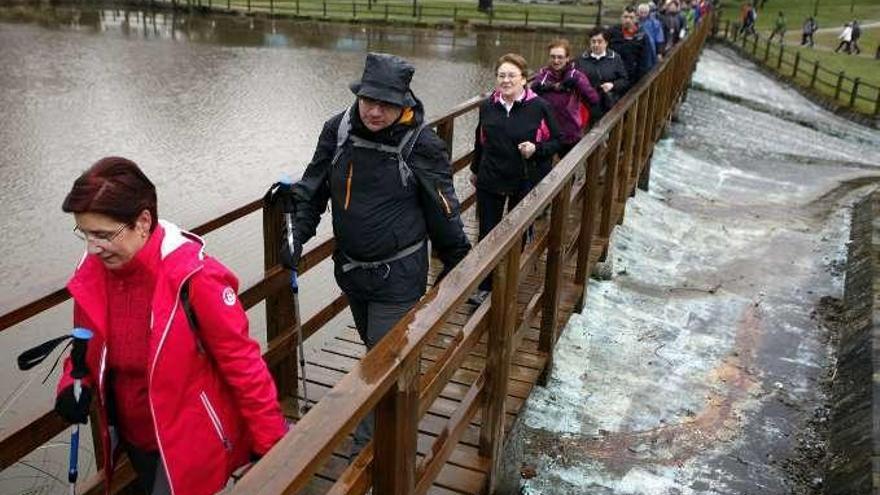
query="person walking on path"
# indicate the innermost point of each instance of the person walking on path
(856, 34)
(650, 24)
(514, 143)
(809, 29)
(605, 70)
(634, 46)
(778, 28)
(845, 38)
(176, 378)
(569, 93)
(389, 181)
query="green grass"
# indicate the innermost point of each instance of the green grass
(832, 14)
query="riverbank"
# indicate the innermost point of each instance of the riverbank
(440, 14)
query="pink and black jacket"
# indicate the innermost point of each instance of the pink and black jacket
(570, 94)
(498, 164)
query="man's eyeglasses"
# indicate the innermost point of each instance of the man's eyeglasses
(98, 237)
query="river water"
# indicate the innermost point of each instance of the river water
(213, 108)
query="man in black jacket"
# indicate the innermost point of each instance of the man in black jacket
(389, 181)
(634, 46)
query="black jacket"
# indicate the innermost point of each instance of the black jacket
(632, 51)
(374, 215)
(498, 164)
(609, 68)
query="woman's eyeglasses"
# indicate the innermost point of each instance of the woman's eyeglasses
(98, 237)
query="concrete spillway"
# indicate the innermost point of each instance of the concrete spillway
(705, 365)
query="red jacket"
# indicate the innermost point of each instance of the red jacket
(211, 408)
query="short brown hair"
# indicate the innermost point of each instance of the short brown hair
(115, 187)
(560, 43)
(516, 59)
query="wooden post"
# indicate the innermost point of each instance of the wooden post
(726, 28)
(394, 446)
(354, 10)
(553, 278)
(779, 60)
(324, 3)
(588, 216)
(562, 20)
(279, 306)
(271, 7)
(629, 131)
(815, 73)
(840, 76)
(386, 12)
(454, 13)
(502, 319)
(446, 131)
(877, 104)
(855, 92)
(766, 51)
(797, 61)
(609, 199)
(527, 17)
(297, 7)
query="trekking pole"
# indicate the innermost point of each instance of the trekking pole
(294, 289)
(81, 338)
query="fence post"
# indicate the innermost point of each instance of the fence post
(279, 306)
(553, 278)
(562, 20)
(877, 104)
(797, 61)
(271, 7)
(394, 447)
(527, 17)
(755, 47)
(855, 92)
(502, 319)
(386, 12)
(779, 61)
(354, 10)
(767, 52)
(228, 4)
(588, 217)
(599, 13)
(455, 13)
(839, 86)
(249, 5)
(324, 3)
(415, 7)
(726, 28)
(815, 73)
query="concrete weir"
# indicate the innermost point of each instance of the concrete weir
(731, 352)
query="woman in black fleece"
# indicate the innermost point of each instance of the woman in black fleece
(515, 141)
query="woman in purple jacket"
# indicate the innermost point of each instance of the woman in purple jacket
(569, 93)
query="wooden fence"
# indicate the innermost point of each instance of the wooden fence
(785, 60)
(504, 14)
(616, 156)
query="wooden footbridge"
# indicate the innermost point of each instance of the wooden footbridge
(449, 380)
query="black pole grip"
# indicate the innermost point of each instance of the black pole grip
(81, 338)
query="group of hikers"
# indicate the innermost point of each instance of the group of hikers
(180, 386)
(849, 35)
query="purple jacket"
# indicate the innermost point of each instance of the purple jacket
(569, 93)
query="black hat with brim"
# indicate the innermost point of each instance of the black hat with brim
(386, 78)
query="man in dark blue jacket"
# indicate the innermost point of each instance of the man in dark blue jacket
(389, 182)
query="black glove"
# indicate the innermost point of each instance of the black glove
(290, 255)
(568, 83)
(281, 193)
(72, 411)
(542, 88)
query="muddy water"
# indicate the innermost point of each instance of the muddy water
(213, 108)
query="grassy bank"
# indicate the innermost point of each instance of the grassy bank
(429, 12)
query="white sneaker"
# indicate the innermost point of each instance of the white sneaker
(478, 297)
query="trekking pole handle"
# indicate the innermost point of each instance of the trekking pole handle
(288, 218)
(81, 337)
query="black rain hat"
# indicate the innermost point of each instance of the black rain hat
(386, 78)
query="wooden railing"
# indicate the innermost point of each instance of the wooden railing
(616, 154)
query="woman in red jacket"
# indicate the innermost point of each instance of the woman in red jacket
(183, 391)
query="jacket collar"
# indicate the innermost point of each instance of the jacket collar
(527, 95)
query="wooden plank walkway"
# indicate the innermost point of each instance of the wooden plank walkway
(332, 352)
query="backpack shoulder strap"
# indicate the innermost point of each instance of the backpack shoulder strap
(342, 133)
(190, 315)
